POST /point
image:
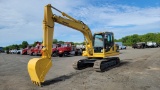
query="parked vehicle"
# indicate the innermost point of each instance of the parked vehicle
(55, 50)
(35, 50)
(121, 46)
(1, 49)
(76, 50)
(19, 51)
(158, 44)
(13, 51)
(80, 49)
(139, 45)
(24, 51)
(30, 51)
(151, 44)
(134, 45)
(7, 51)
(64, 50)
(155, 44)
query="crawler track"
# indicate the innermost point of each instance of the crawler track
(99, 65)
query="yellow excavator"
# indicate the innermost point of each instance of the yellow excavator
(98, 47)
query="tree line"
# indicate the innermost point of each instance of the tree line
(16, 46)
(127, 40)
(132, 39)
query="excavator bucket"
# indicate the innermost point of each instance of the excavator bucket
(38, 68)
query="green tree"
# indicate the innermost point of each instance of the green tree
(134, 39)
(150, 37)
(61, 42)
(83, 43)
(129, 40)
(72, 43)
(24, 44)
(20, 46)
(15, 46)
(158, 38)
(55, 41)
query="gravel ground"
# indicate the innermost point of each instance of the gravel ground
(139, 70)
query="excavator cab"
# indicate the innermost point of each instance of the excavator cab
(103, 41)
(103, 45)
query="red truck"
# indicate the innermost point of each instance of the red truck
(35, 50)
(24, 51)
(64, 50)
(55, 50)
(61, 49)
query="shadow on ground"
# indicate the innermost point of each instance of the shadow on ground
(122, 63)
(56, 80)
(62, 78)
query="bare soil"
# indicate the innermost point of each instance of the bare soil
(139, 70)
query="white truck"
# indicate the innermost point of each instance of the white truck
(151, 44)
(77, 50)
(121, 46)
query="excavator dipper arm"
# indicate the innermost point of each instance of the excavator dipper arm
(38, 67)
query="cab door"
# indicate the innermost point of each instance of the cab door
(108, 41)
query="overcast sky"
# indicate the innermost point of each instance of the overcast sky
(21, 20)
